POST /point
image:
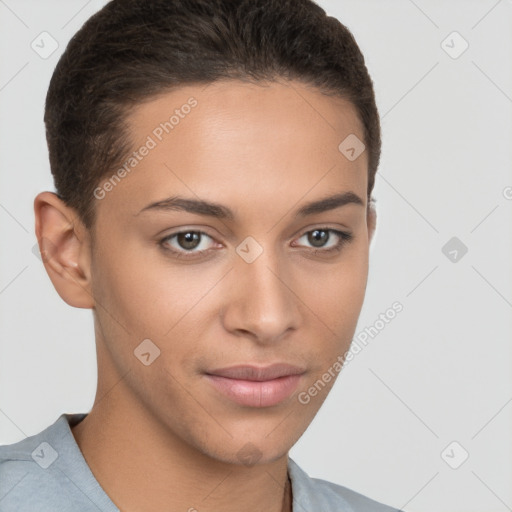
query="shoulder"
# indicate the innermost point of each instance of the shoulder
(40, 450)
(22, 456)
(319, 494)
(23, 480)
(41, 473)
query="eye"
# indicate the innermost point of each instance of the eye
(319, 238)
(186, 242)
(189, 243)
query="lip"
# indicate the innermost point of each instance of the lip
(255, 386)
(257, 373)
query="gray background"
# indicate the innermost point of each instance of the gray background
(441, 371)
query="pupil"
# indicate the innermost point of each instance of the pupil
(319, 236)
(188, 240)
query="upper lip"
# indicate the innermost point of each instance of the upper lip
(257, 373)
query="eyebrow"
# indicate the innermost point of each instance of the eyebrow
(219, 211)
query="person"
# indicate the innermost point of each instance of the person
(214, 162)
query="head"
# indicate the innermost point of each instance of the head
(191, 143)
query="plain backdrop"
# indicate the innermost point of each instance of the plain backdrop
(421, 418)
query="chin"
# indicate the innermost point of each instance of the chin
(256, 448)
(250, 454)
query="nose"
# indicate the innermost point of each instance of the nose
(261, 302)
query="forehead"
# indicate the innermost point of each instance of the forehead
(233, 141)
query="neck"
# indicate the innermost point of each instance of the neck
(128, 451)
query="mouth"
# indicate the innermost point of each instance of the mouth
(254, 386)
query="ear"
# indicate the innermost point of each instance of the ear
(64, 243)
(371, 219)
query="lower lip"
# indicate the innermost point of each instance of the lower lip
(256, 394)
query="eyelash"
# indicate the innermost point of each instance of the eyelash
(344, 238)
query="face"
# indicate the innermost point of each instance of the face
(254, 281)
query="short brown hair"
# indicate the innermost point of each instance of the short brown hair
(132, 50)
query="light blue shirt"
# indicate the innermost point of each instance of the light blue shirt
(47, 472)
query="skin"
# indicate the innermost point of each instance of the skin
(263, 151)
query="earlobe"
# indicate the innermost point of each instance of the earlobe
(65, 249)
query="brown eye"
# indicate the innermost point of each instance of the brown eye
(185, 243)
(319, 238)
(188, 239)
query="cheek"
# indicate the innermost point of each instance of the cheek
(336, 292)
(148, 299)
(140, 300)
(144, 290)
(334, 296)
